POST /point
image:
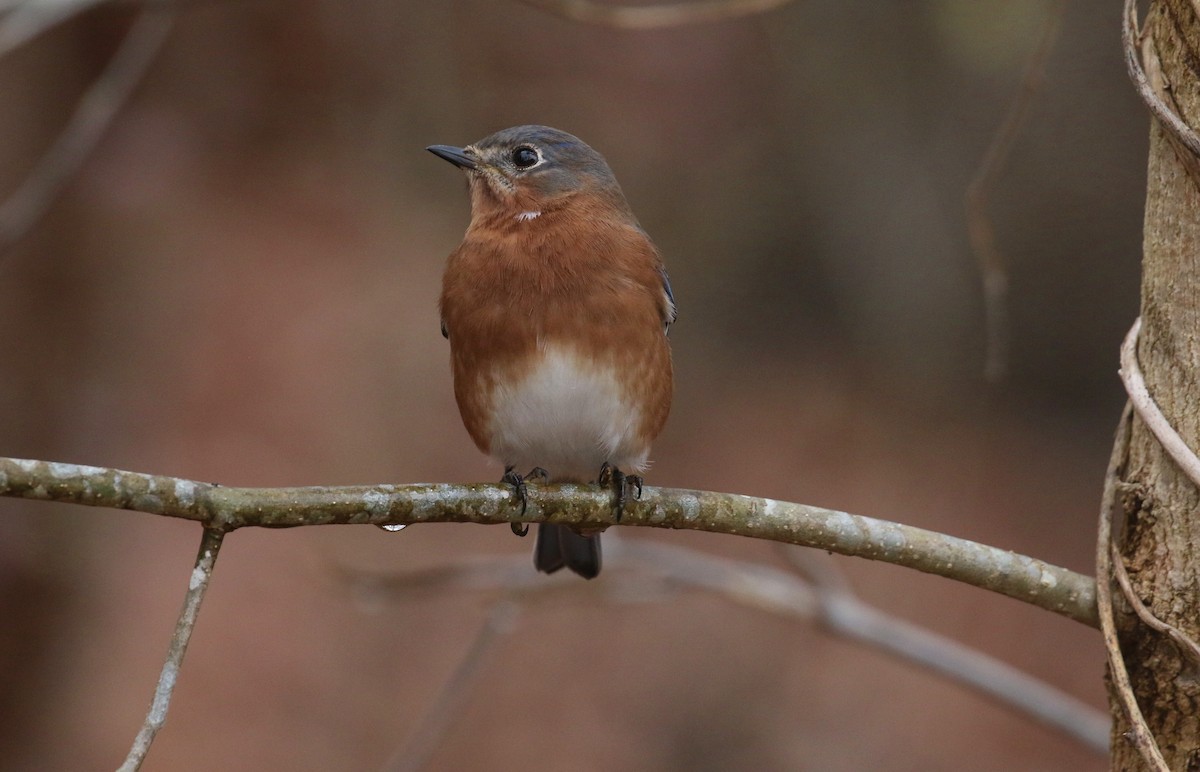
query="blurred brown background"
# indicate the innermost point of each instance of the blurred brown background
(240, 286)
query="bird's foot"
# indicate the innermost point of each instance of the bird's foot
(517, 481)
(620, 482)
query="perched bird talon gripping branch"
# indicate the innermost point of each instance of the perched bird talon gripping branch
(557, 308)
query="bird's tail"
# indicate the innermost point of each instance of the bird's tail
(560, 547)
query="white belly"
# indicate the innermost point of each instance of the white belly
(567, 416)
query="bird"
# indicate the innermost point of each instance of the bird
(557, 308)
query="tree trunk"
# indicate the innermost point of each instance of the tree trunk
(1160, 543)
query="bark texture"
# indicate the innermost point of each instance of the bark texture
(1160, 542)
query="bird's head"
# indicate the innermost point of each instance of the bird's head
(527, 170)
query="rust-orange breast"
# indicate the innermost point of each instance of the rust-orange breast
(567, 280)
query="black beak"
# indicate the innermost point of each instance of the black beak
(455, 155)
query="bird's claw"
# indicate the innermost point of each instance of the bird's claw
(610, 476)
(517, 481)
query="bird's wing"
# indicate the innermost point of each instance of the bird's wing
(670, 313)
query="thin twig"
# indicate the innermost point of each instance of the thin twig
(645, 17)
(816, 567)
(1017, 576)
(992, 265)
(1142, 737)
(91, 119)
(776, 592)
(420, 747)
(844, 613)
(156, 717)
(858, 621)
(26, 20)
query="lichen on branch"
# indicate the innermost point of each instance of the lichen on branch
(227, 508)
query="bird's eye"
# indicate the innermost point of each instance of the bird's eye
(525, 157)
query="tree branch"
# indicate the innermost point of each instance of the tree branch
(644, 17)
(648, 569)
(156, 716)
(220, 508)
(420, 747)
(25, 20)
(993, 268)
(92, 118)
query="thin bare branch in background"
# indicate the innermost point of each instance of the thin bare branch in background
(645, 17)
(91, 119)
(25, 20)
(992, 265)
(816, 567)
(773, 591)
(843, 612)
(423, 742)
(156, 717)
(1020, 577)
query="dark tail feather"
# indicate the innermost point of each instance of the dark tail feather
(560, 547)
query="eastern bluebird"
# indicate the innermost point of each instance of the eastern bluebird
(556, 306)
